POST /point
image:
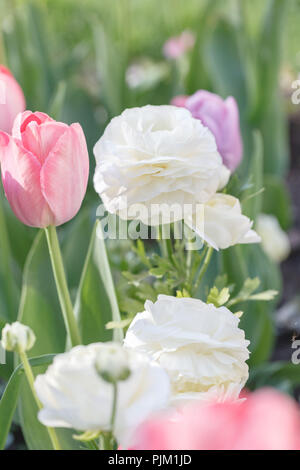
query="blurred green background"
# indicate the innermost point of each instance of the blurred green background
(86, 61)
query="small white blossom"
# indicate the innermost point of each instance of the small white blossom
(17, 337)
(275, 241)
(75, 396)
(112, 363)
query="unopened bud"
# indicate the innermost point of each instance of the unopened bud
(112, 363)
(17, 337)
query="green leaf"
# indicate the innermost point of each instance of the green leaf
(9, 400)
(241, 262)
(218, 297)
(8, 289)
(135, 279)
(265, 295)
(40, 310)
(141, 252)
(197, 77)
(275, 136)
(111, 67)
(253, 197)
(74, 245)
(225, 64)
(121, 324)
(279, 374)
(96, 302)
(269, 50)
(276, 190)
(250, 285)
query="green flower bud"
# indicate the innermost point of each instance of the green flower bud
(17, 337)
(112, 363)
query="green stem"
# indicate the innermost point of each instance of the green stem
(107, 440)
(30, 379)
(92, 445)
(204, 266)
(167, 248)
(62, 287)
(114, 407)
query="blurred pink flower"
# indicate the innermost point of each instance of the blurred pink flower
(44, 166)
(266, 420)
(222, 119)
(179, 101)
(12, 100)
(175, 47)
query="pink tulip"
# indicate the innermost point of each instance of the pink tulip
(12, 101)
(222, 119)
(266, 420)
(177, 46)
(45, 167)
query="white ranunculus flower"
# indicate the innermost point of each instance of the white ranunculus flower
(221, 223)
(75, 396)
(156, 155)
(200, 346)
(17, 337)
(275, 241)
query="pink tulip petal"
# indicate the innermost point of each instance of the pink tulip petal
(64, 175)
(21, 181)
(41, 139)
(12, 100)
(24, 119)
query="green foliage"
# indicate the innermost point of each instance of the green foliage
(280, 374)
(96, 302)
(79, 74)
(9, 400)
(218, 297)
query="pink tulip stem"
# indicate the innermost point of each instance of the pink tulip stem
(62, 286)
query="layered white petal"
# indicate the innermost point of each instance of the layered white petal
(200, 346)
(75, 396)
(156, 155)
(221, 224)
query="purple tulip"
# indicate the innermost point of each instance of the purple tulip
(222, 119)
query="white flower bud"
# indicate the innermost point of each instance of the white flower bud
(275, 241)
(112, 363)
(17, 337)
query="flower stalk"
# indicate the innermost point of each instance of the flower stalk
(62, 286)
(30, 379)
(209, 252)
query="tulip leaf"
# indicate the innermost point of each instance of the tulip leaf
(96, 303)
(253, 196)
(8, 287)
(225, 63)
(9, 400)
(40, 310)
(110, 62)
(269, 50)
(241, 262)
(74, 245)
(280, 374)
(275, 190)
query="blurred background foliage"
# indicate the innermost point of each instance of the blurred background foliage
(74, 61)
